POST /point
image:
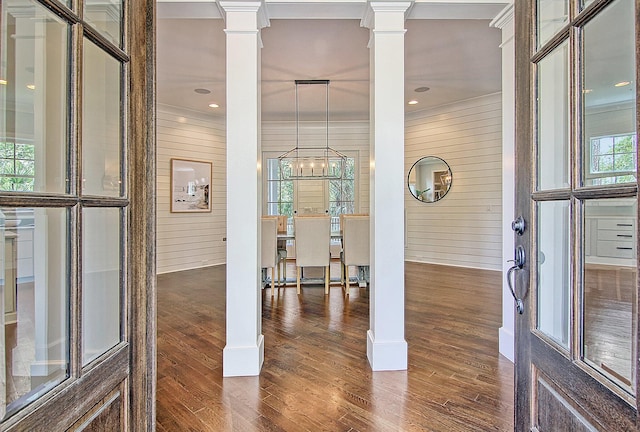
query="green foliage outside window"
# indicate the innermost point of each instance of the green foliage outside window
(285, 199)
(17, 167)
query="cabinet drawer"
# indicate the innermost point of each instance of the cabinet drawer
(616, 235)
(616, 249)
(615, 224)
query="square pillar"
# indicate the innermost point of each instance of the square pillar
(386, 346)
(243, 354)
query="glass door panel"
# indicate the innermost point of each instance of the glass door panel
(101, 123)
(551, 16)
(554, 270)
(34, 285)
(610, 289)
(106, 17)
(101, 275)
(609, 97)
(33, 99)
(553, 120)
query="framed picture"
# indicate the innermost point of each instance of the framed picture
(190, 186)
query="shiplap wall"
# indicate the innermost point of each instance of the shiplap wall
(463, 229)
(186, 241)
(351, 138)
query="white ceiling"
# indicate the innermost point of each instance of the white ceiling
(457, 59)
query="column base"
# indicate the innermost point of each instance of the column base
(388, 355)
(507, 343)
(243, 360)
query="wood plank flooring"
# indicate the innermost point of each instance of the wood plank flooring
(610, 293)
(316, 376)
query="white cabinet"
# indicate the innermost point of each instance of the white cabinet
(610, 233)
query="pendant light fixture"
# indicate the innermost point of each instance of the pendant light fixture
(309, 160)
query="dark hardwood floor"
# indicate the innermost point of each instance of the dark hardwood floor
(316, 375)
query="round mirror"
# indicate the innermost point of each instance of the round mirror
(429, 179)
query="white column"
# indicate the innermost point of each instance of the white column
(504, 21)
(243, 354)
(386, 346)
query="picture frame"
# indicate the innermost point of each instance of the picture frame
(190, 186)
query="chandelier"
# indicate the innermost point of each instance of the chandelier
(309, 160)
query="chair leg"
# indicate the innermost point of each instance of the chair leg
(326, 280)
(273, 280)
(341, 273)
(284, 270)
(278, 264)
(298, 280)
(347, 285)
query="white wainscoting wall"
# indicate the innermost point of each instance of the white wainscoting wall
(190, 240)
(463, 229)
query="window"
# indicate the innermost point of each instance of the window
(17, 166)
(613, 159)
(279, 192)
(342, 195)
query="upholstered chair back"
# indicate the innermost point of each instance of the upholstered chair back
(313, 236)
(355, 240)
(269, 249)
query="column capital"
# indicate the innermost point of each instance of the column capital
(377, 8)
(229, 7)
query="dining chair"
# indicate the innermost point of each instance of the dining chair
(355, 245)
(269, 248)
(313, 238)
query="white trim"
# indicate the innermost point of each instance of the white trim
(506, 343)
(386, 355)
(243, 360)
(504, 18)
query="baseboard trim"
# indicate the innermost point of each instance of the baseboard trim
(387, 355)
(507, 344)
(243, 360)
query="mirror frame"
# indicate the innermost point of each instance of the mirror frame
(411, 170)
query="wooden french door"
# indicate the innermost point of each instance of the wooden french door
(77, 179)
(576, 258)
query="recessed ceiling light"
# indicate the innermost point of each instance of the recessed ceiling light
(202, 91)
(31, 86)
(3, 82)
(421, 89)
(622, 84)
(413, 102)
(214, 105)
